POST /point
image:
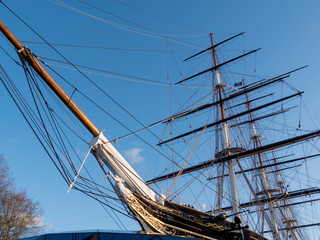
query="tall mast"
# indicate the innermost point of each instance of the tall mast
(289, 220)
(226, 137)
(265, 184)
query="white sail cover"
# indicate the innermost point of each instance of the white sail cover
(119, 166)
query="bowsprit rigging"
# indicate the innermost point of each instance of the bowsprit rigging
(225, 153)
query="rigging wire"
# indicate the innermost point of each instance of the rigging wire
(71, 164)
(148, 33)
(90, 190)
(16, 100)
(122, 76)
(129, 21)
(15, 61)
(142, 80)
(159, 17)
(49, 110)
(106, 48)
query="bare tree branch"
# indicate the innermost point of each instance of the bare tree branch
(20, 216)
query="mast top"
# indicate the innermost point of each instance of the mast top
(214, 46)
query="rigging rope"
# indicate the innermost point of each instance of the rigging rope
(48, 139)
(160, 17)
(124, 27)
(106, 48)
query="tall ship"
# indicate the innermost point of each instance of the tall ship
(227, 162)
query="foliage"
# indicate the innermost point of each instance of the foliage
(20, 216)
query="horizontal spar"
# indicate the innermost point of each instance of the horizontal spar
(254, 85)
(295, 227)
(278, 197)
(279, 206)
(214, 46)
(270, 165)
(261, 117)
(249, 101)
(208, 105)
(239, 155)
(218, 66)
(230, 118)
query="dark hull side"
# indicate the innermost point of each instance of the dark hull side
(179, 220)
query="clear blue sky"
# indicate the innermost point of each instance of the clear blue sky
(287, 31)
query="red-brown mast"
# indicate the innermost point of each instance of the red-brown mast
(65, 98)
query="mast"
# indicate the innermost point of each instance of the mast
(213, 46)
(289, 220)
(265, 184)
(100, 145)
(226, 137)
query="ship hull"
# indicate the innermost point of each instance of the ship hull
(179, 220)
